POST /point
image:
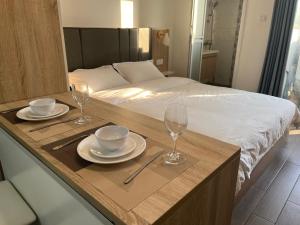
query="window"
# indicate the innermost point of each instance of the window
(126, 13)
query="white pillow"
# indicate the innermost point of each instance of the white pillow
(99, 78)
(136, 72)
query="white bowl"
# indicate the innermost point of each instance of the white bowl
(43, 106)
(112, 137)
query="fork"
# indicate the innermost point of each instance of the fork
(14, 109)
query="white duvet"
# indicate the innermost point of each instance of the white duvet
(252, 121)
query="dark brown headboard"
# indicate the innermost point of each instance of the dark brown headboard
(93, 47)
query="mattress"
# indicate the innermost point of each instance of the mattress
(255, 122)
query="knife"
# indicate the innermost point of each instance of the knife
(69, 142)
(137, 172)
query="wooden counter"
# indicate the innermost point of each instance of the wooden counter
(203, 193)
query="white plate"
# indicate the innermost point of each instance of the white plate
(83, 150)
(57, 110)
(101, 152)
(26, 113)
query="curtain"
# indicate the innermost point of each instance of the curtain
(278, 47)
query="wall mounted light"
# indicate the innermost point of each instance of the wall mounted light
(166, 40)
(163, 37)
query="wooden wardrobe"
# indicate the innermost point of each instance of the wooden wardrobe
(31, 50)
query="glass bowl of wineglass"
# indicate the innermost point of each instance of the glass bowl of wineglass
(80, 94)
(176, 121)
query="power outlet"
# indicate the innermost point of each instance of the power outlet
(159, 62)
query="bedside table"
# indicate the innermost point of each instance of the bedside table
(168, 73)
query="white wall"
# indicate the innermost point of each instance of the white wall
(253, 40)
(174, 15)
(158, 15)
(181, 32)
(94, 13)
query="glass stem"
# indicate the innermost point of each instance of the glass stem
(174, 147)
(174, 143)
(81, 111)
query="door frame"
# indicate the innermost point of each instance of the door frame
(191, 37)
(239, 44)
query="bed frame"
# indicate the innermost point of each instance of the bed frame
(88, 48)
(272, 155)
(94, 47)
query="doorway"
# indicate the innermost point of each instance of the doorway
(213, 36)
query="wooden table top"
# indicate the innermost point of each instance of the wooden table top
(209, 156)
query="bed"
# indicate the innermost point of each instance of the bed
(255, 122)
(252, 121)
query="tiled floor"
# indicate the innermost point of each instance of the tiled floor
(275, 198)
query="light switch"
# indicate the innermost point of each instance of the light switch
(159, 62)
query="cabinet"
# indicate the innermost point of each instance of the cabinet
(208, 67)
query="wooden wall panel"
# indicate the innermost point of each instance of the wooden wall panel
(159, 50)
(31, 52)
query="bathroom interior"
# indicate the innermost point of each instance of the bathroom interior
(220, 41)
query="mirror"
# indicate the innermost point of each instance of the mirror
(191, 38)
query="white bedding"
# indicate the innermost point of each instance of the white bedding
(250, 120)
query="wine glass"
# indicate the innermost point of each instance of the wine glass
(175, 121)
(80, 93)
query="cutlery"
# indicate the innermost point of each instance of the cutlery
(12, 110)
(69, 142)
(137, 172)
(51, 124)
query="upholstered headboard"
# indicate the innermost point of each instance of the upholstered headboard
(93, 47)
